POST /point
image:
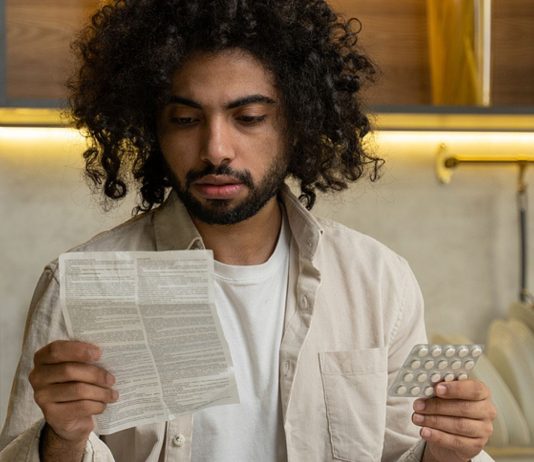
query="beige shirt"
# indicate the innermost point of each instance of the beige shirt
(353, 312)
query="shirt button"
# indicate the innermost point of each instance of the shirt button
(287, 366)
(178, 440)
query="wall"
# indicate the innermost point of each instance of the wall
(460, 239)
(394, 34)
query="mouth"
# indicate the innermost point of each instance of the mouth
(218, 187)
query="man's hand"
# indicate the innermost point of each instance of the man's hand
(457, 423)
(70, 391)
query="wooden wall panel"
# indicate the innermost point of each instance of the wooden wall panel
(39, 33)
(394, 35)
(513, 52)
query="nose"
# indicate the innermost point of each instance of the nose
(217, 143)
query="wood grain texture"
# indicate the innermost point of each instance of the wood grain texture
(39, 33)
(394, 35)
(513, 53)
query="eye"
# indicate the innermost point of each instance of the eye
(251, 120)
(184, 121)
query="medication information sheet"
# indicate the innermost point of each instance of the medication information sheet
(153, 315)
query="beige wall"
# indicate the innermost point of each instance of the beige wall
(461, 239)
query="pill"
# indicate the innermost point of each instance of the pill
(436, 350)
(449, 377)
(456, 364)
(469, 364)
(429, 364)
(462, 376)
(436, 377)
(408, 377)
(442, 364)
(416, 364)
(422, 377)
(429, 391)
(423, 351)
(402, 390)
(463, 351)
(449, 351)
(476, 351)
(415, 391)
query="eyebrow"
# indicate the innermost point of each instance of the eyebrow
(252, 99)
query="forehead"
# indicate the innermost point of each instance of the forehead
(222, 76)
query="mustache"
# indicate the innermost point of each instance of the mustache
(243, 176)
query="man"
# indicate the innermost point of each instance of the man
(221, 102)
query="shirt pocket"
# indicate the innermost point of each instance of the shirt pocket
(355, 393)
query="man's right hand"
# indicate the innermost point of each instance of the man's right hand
(70, 390)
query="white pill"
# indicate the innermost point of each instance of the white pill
(449, 377)
(435, 377)
(436, 350)
(462, 376)
(476, 351)
(456, 364)
(416, 364)
(429, 364)
(423, 351)
(415, 391)
(442, 364)
(463, 351)
(422, 377)
(408, 377)
(401, 390)
(429, 391)
(469, 364)
(449, 351)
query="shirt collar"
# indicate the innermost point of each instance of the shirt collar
(305, 228)
(174, 229)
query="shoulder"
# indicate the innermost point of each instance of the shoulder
(357, 247)
(137, 233)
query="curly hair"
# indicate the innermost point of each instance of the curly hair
(131, 49)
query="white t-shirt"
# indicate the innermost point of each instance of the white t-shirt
(250, 302)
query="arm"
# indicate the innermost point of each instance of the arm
(70, 390)
(19, 440)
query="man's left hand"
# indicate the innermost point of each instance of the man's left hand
(457, 423)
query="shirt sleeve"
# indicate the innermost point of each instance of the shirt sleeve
(44, 324)
(407, 331)
(25, 448)
(19, 440)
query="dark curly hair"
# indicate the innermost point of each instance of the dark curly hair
(131, 49)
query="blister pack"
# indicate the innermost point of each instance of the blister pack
(428, 364)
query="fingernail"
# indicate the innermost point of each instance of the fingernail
(115, 395)
(110, 380)
(441, 390)
(419, 405)
(426, 433)
(418, 418)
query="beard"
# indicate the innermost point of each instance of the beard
(222, 212)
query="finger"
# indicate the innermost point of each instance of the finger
(62, 351)
(74, 410)
(461, 444)
(454, 425)
(454, 408)
(463, 389)
(74, 391)
(70, 372)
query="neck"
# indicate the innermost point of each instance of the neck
(250, 242)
